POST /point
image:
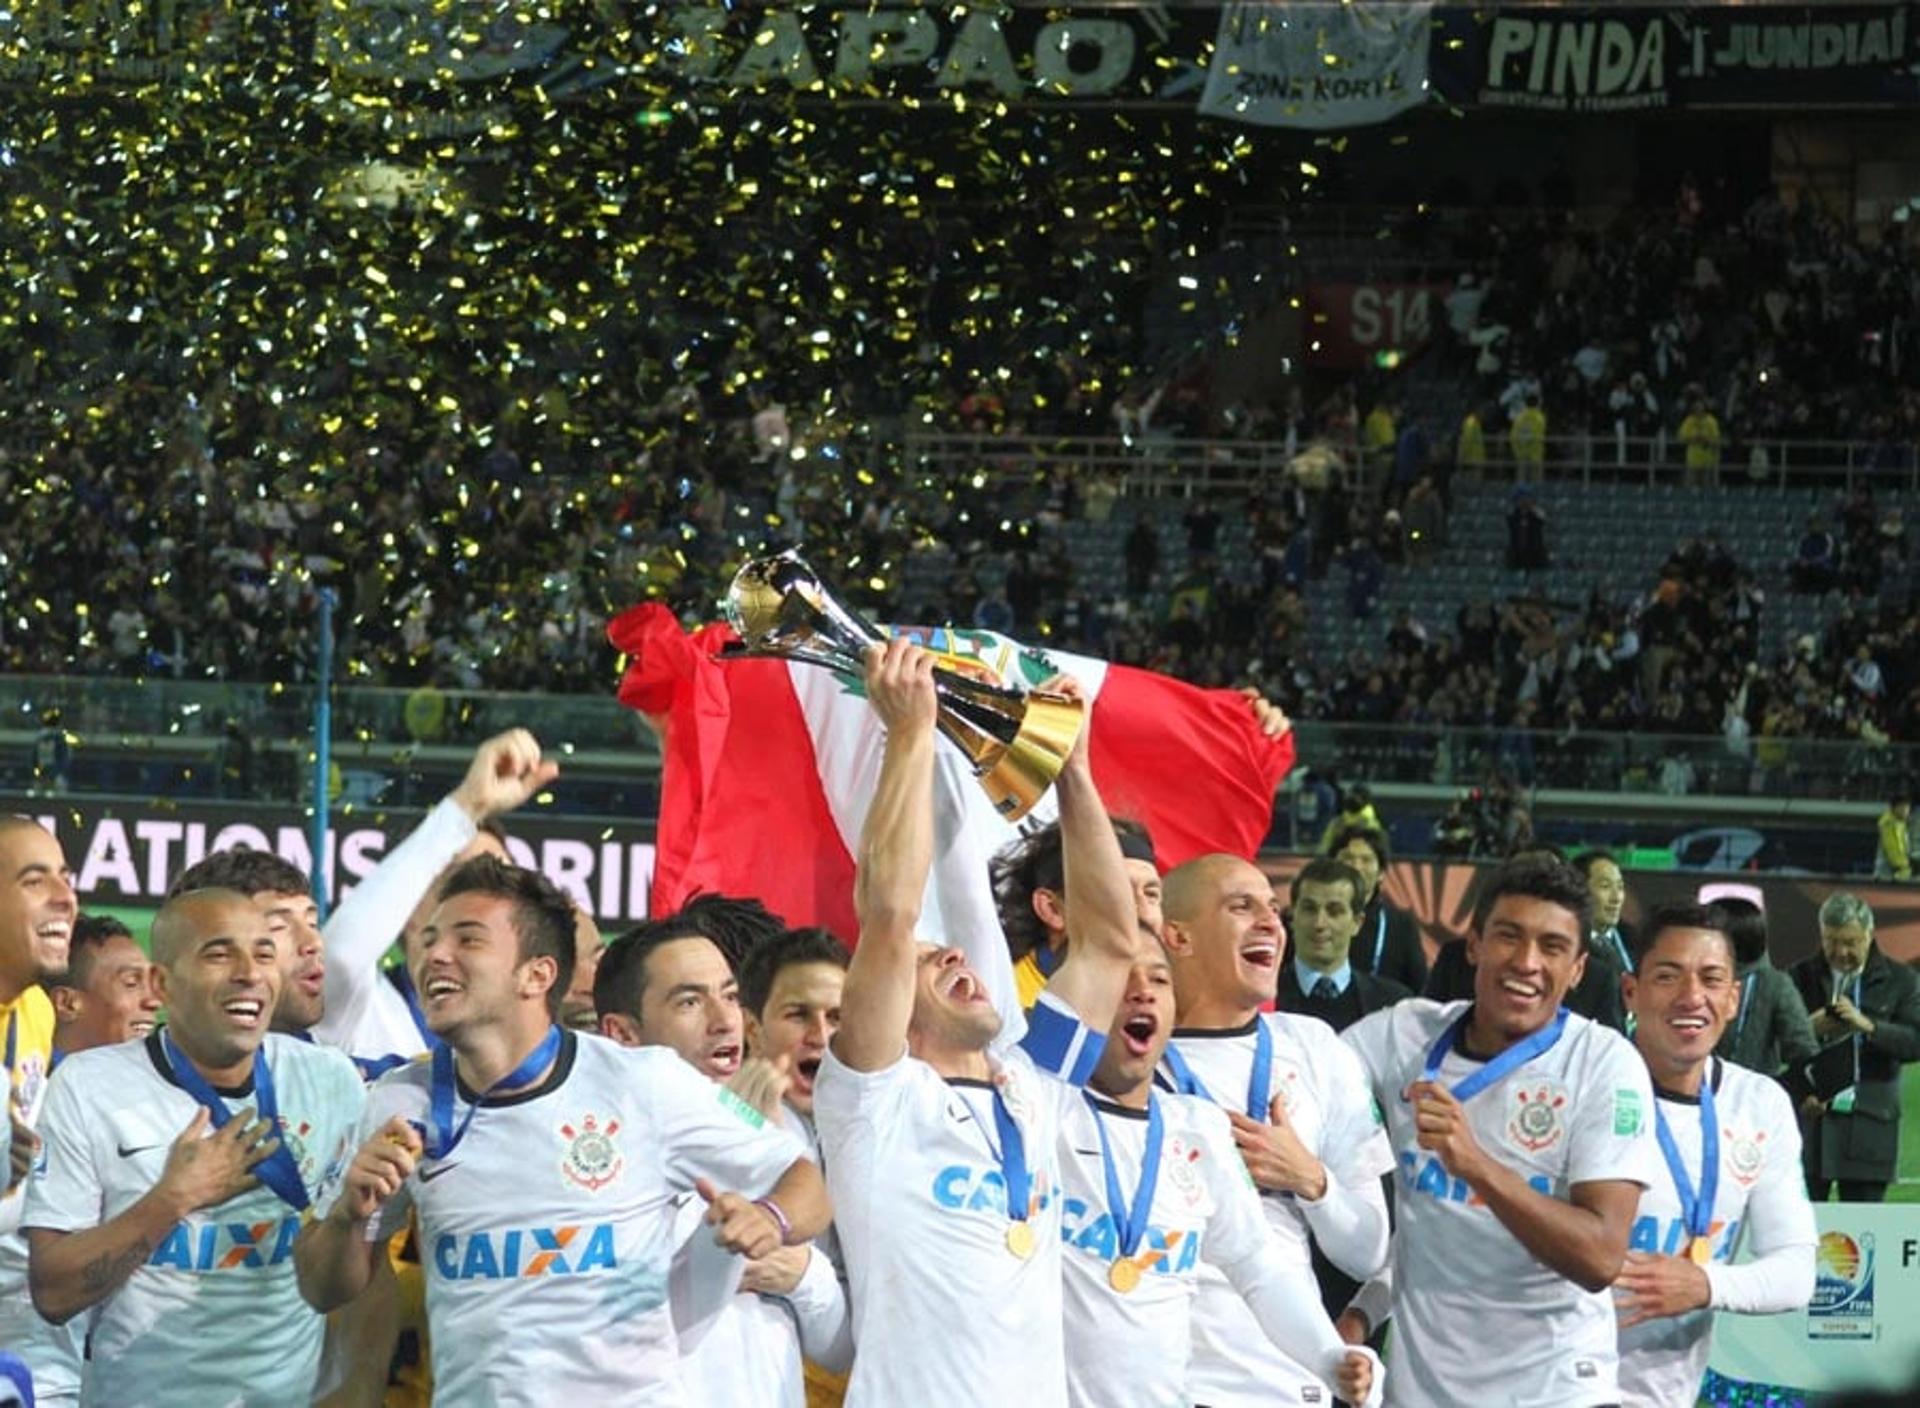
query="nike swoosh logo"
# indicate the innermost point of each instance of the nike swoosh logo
(427, 1175)
(1089, 1153)
(127, 1153)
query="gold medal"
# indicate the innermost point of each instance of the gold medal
(1020, 1239)
(1700, 1251)
(1124, 1275)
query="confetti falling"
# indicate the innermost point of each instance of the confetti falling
(425, 302)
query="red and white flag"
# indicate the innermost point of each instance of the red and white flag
(769, 767)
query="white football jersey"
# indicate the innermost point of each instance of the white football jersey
(1134, 1348)
(753, 1353)
(1579, 1112)
(547, 1234)
(943, 1311)
(214, 1316)
(1327, 1100)
(1761, 1203)
(51, 1352)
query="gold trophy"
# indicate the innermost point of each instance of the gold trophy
(1017, 742)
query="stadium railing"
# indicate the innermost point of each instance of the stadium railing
(389, 731)
(1160, 464)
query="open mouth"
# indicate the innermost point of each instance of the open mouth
(1521, 990)
(1688, 1025)
(724, 1060)
(964, 987)
(1137, 1033)
(440, 989)
(55, 931)
(313, 981)
(806, 1072)
(243, 1011)
(140, 1028)
(1261, 955)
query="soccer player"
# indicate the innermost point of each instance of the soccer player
(175, 1172)
(1298, 1106)
(543, 1167)
(1154, 1189)
(37, 910)
(940, 1136)
(107, 995)
(662, 985)
(790, 991)
(373, 1013)
(1524, 1140)
(1730, 1139)
(1029, 889)
(285, 897)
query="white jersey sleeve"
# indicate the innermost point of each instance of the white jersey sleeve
(1241, 1242)
(1350, 1220)
(365, 1016)
(1611, 1135)
(65, 1192)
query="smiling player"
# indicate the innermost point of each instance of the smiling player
(1731, 1143)
(175, 1173)
(1298, 1106)
(1524, 1140)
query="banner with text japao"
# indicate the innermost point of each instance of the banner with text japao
(1626, 59)
(125, 854)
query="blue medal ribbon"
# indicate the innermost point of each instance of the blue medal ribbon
(1259, 1082)
(1130, 1221)
(1501, 1066)
(444, 1136)
(1696, 1206)
(278, 1170)
(402, 982)
(1013, 1158)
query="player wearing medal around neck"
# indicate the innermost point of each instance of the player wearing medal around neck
(1525, 1137)
(940, 1134)
(1730, 1140)
(1156, 1191)
(1299, 1110)
(743, 1329)
(543, 1167)
(175, 1173)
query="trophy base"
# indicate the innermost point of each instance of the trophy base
(1025, 768)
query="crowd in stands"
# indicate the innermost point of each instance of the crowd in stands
(1697, 334)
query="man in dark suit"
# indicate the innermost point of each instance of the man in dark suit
(1388, 940)
(1859, 995)
(1321, 980)
(1608, 886)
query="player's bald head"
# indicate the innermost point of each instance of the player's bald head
(188, 917)
(1188, 887)
(11, 826)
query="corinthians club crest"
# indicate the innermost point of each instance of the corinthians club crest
(1537, 1122)
(592, 1159)
(1745, 1155)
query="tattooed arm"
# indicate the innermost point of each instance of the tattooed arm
(68, 1271)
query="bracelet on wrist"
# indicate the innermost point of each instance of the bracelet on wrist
(772, 1210)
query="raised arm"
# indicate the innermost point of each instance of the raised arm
(1103, 927)
(506, 770)
(896, 854)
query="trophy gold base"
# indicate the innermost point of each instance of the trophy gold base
(1025, 768)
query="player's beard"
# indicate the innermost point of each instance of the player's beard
(945, 1027)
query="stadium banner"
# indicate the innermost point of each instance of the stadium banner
(1349, 325)
(1318, 66)
(1440, 895)
(1625, 59)
(124, 854)
(1862, 1330)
